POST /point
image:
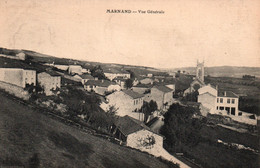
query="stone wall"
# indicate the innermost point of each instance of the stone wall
(15, 90)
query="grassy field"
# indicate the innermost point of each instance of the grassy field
(31, 139)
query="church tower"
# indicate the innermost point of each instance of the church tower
(200, 71)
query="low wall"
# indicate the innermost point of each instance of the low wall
(15, 90)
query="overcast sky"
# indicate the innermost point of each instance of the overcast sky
(223, 32)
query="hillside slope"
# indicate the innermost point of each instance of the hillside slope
(31, 139)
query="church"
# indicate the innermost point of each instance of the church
(198, 82)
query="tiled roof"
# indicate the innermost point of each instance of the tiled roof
(86, 76)
(101, 83)
(227, 94)
(133, 94)
(164, 89)
(128, 125)
(144, 85)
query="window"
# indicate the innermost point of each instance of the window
(221, 108)
(217, 107)
(228, 101)
(217, 100)
(221, 100)
(233, 101)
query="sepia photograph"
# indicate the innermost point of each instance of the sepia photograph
(129, 83)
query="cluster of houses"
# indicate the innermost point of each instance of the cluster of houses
(49, 81)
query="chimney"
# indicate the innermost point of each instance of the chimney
(225, 93)
(217, 87)
(102, 80)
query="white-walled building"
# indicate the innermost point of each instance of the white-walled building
(49, 82)
(101, 86)
(127, 101)
(113, 73)
(75, 69)
(17, 76)
(218, 101)
(136, 134)
(162, 95)
(84, 78)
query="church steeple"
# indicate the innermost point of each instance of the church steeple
(200, 70)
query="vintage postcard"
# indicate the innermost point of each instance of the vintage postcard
(129, 84)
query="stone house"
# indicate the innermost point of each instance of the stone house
(127, 101)
(17, 76)
(163, 96)
(218, 102)
(49, 81)
(101, 86)
(113, 73)
(136, 134)
(84, 78)
(75, 69)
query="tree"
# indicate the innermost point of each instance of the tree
(132, 74)
(97, 71)
(180, 127)
(148, 108)
(129, 83)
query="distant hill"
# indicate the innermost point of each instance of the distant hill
(43, 58)
(223, 71)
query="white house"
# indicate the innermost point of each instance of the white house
(218, 101)
(17, 76)
(113, 73)
(162, 95)
(49, 81)
(84, 78)
(75, 69)
(127, 102)
(120, 81)
(101, 86)
(136, 134)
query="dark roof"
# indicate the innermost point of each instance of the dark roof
(101, 83)
(128, 125)
(144, 85)
(133, 94)
(227, 94)
(86, 76)
(164, 89)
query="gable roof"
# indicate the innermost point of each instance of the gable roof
(100, 83)
(128, 125)
(86, 76)
(140, 85)
(133, 94)
(227, 94)
(164, 89)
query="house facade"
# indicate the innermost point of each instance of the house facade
(113, 73)
(17, 76)
(162, 95)
(127, 101)
(136, 134)
(75, 69)
(218, 102)
(49, 82)
(101, 86)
